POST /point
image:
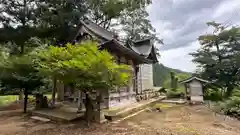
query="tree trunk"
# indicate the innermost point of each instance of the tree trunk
(218, 52)
(25, 100)
(222, 92)
(89, 109)
(229, 91)
(54, 91)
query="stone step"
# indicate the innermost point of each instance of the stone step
(131, 110)
(174, 101)
(40, 119)
(57, 115)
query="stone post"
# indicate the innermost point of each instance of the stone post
(98, 113)
(80, 109)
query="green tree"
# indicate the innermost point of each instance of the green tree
(217, 58)
(19, 73)
(59, 19)
(107, 13)
(84, 66)
(18, 19)
(137, 26)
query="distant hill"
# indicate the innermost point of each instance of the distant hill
(161, 74)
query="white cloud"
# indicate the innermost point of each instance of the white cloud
(227, 8)
(180, 22)
(179, 58)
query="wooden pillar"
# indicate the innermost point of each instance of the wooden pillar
(122, 60)
(136, 78)
(185, 86)
(131, 84)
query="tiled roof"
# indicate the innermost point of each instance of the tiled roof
(193, 78)
(98, 30)
(142, 48)
(145, 48)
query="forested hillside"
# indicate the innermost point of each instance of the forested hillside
(161, 74)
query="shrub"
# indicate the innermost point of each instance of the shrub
(236, 93)
(162, 90)
(230, 107)
(174, 94)
(213, 95)
(5, 100)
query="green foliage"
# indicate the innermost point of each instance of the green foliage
(15, 68)
(236, 93)
(5, 100)
(104, 11)
(175, 94)
(213, 95)
(172, 84)
(19, 73)
(83, 65)
(230, 107)
(218, 59)
(18, 19)
(163, 105)
(161, 75)
(58, 20)
(137, 26)
(174, 81)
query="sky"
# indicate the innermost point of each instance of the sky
(180, 22)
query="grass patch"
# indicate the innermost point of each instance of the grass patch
(183, 129)
(5, 100)
(161, 105)
(112, 110)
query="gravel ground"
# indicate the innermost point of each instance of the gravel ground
(184, 120)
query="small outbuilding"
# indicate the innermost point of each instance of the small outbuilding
(194, 89)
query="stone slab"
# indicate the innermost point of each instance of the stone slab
(135, 107)
(57, 115)
(174, 101)
(40, 118)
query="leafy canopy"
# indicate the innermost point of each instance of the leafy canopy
(58, 20)
(18, 72)
(83, 65)
(218, 59)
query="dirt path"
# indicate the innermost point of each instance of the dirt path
(196, 120)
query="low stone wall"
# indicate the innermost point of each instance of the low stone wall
(119, 100)
(148, 94)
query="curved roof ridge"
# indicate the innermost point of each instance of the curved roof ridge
(194, 78)
(100, 31)
(144, 46)
(142, 40)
